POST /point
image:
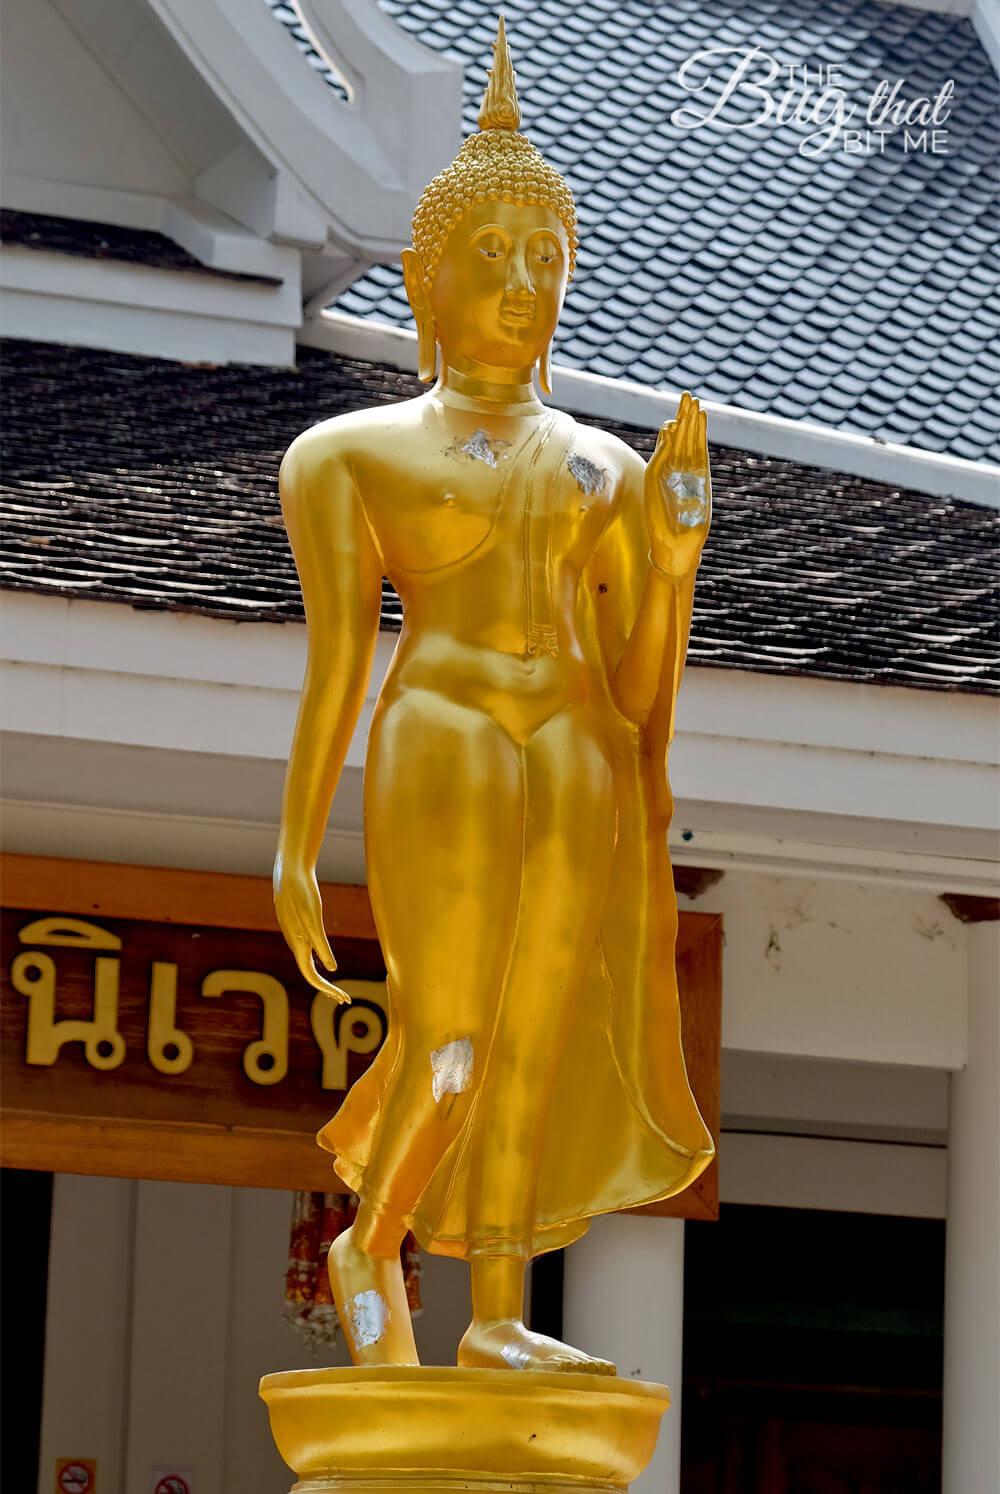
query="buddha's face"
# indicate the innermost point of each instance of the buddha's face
(499, 285)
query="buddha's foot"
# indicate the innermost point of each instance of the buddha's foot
(507, 1344)
(371, 1304)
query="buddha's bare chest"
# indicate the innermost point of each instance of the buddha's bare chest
(479, 495)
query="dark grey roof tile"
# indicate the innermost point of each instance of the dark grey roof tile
(164, 496)
(870, 235)
(962, 446)
(784, 404)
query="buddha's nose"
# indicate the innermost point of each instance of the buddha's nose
(518, 278)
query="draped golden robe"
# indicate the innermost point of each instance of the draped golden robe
(623, 1127)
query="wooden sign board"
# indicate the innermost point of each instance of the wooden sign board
(155, 1026)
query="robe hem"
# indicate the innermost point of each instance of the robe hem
(545, 1238)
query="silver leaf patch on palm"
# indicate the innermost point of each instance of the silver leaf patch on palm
(692, 497)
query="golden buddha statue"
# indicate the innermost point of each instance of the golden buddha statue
(516, 798)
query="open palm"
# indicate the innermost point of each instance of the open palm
(678, 491)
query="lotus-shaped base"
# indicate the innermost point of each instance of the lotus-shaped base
(421, 1429)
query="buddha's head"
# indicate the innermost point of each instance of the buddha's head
(494, 245)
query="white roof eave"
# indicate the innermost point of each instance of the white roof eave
(940, 476)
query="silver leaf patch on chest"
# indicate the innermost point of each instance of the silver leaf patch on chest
(479, 447)
(589, 476)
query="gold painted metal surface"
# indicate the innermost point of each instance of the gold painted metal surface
(516, 796)
(430, 1428)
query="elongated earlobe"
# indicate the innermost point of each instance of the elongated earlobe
(545, 369)
(426, 349)
(416, 290)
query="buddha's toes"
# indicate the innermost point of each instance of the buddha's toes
(508, 1345)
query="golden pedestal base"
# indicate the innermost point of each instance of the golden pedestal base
(422, 1429)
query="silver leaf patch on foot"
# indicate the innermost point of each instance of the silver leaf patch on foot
(368, 1313)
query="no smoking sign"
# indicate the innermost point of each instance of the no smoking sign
(173, 1481)
(76, 1476)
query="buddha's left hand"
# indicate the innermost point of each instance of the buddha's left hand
(678, 492)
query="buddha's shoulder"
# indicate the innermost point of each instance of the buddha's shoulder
(345, 437)
(604, 448)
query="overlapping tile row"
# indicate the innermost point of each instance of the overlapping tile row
(858, 291)
(87, 240)
(142, 481)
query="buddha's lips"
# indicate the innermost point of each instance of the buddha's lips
(523, 311)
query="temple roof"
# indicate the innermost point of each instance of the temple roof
(857, 291)
(153, 483)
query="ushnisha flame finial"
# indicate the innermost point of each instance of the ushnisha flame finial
(496, 164)
(500, 109)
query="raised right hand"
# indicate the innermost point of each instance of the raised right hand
(678, 492)
(300, 917)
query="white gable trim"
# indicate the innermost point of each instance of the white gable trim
(360, 164)
(747, 430)
(985, 16)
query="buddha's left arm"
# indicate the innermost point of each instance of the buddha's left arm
(642, 576)
(649, 672)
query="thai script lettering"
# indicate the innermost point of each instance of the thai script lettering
(338, 1031)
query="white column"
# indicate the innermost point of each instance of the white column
(972, 1276)
(87, 1327)
(624, 1300)
(180, 1323)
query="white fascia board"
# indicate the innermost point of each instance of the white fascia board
(221, 243)
(905, 802)
(860, 864)
(746, 430)
(92, 204)
(888, 1102)
(115, 283)
(857, 784)
(859, 1177)
(198, 842)
(820, 747)
(804, 711)
(148, 312)
(143, 332)
(728, 704)
(213, 237)
(113, 637)
(92, 705)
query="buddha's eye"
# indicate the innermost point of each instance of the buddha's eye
(545, 253)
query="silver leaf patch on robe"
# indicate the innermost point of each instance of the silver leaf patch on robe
(451, 1068)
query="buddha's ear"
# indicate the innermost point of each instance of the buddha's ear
(545, 369)
(416, 291)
